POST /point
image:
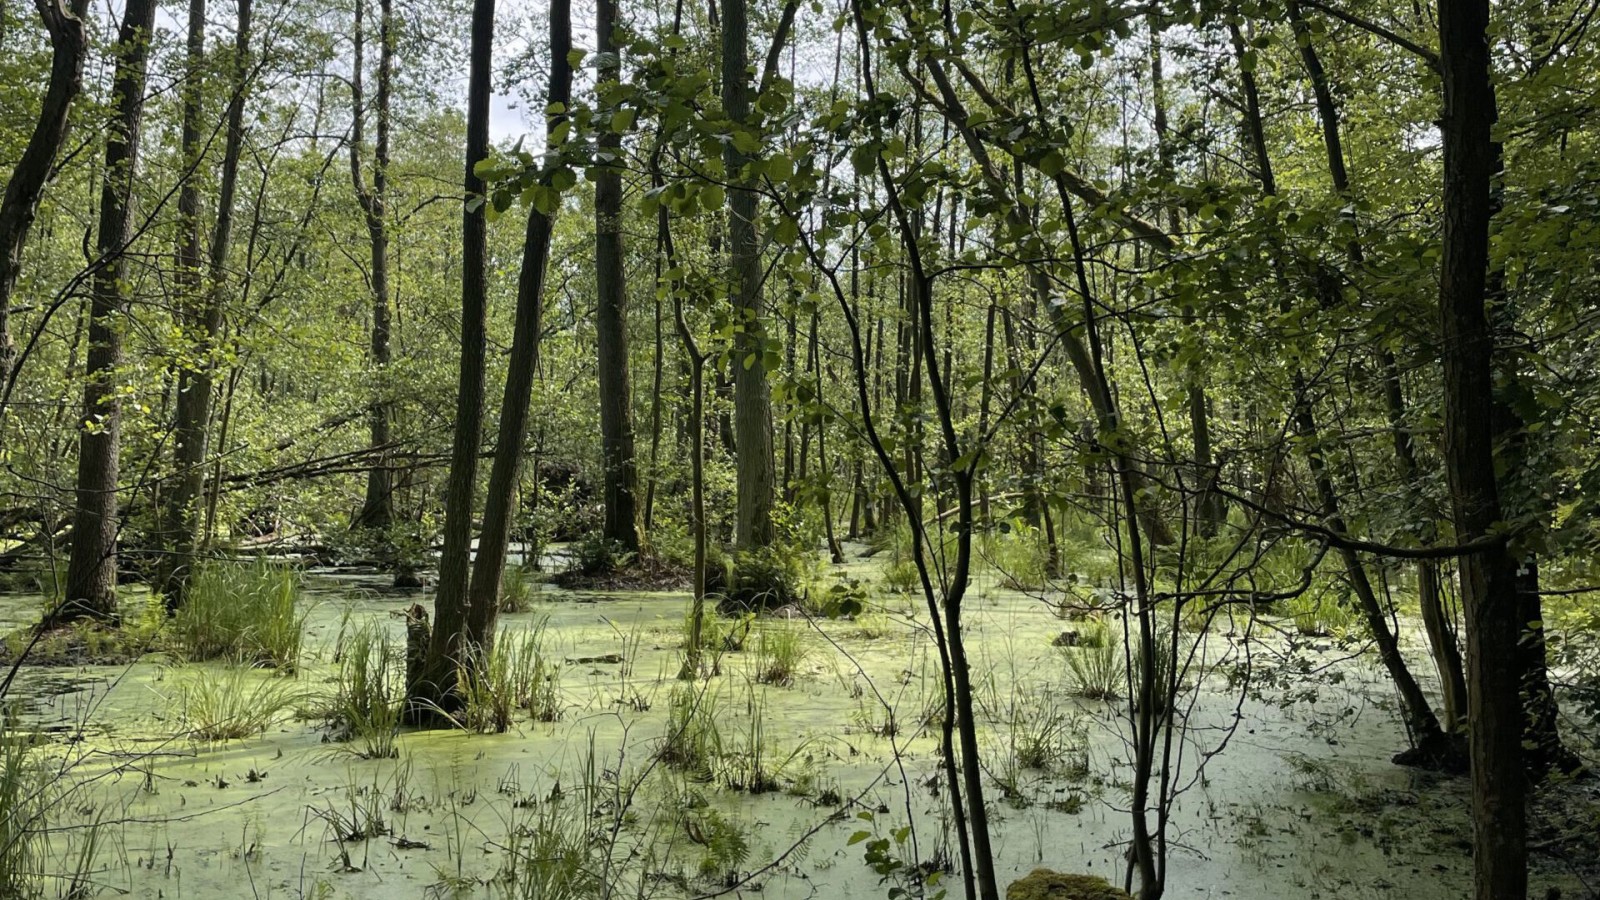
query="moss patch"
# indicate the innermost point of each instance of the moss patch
(1044, 884)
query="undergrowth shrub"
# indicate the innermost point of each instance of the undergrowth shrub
(693, 742)
(517, 588)
(766, 578)
(1319, 616)
(512, 675)
(1019, 556)
(597, 555)
(24, 824)
(36, 801)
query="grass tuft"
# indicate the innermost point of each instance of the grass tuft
(233, 702)
(244, 611)
(367, 703)
(1094, 667)
(780, 651)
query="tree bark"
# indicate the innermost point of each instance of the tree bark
(92, 567)
(68, 48)
(1488, 578)
(621, 525)
(1420, 720)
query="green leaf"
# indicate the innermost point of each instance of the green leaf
(857, 838)
(546, 200)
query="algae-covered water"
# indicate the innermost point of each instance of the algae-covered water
(1284, 785)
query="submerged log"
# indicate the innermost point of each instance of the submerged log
(1045, 884)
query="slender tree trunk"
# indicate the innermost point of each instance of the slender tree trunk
(197, 385)
(500, 503)
(752, 395)
(694, 653)
(68, 48)
(1446, 653)
(190, 275)
(436, 679)
(824, 471)
(92, 568)
(377, 507)
(611, 315)
(1488, 578)
(1419, 716)
(1210, 504)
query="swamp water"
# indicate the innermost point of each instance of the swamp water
(1302, 802)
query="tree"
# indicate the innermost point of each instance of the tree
(464, 631)
(752, 396)
(205, 290)
(611, 308)
(91, 589)
(377, 507)
(1489, 594)
(69, 47)
(450, 603)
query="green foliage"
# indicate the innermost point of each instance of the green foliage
(511, 675)
(1319, 615)
(1042, 735)
(247, 611)
(1019, 556)
(886, 855)
(25, 802)
(750, 762)
(767, 577)
(597, 555)
(901, 577)
(553, 852)
(846, 597)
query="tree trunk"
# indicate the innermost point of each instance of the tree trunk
(611, 314)
(436, 681)
(1209, 507)
(92, 568)
(752, 397)
(1442, 641)
(196, 385)
(1488, 578)
(1420, 720)
(500, 503)
(377, 507)
(68, 48)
